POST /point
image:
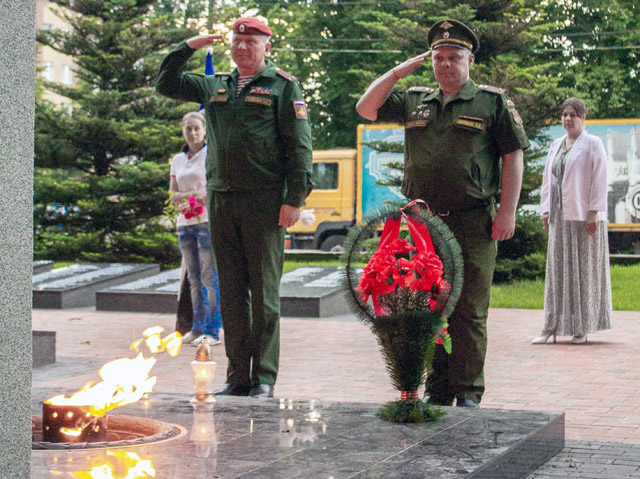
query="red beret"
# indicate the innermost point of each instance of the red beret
(250, 26)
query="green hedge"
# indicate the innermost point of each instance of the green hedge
(524, 256)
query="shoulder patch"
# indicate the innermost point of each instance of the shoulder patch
(420, 89)
(492, 89)
(285, 75)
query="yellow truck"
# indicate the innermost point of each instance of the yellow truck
(346, 188)
(332, 201)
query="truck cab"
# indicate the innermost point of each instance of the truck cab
(333, 201)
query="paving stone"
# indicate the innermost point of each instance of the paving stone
(337, 359)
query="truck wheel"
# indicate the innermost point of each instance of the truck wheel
(333, 243)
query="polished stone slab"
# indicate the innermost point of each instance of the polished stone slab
(305, 292)
(75, 286)
(312, 292)
(282, 439)
(42, 266)
(153, 294)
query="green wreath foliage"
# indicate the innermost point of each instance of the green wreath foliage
(407, 335)
(413, 411)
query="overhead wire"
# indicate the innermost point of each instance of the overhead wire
(583, 34)
(330, 4)
(589, 49)
(328, 50)
(346, 40)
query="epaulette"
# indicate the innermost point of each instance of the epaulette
(222, 73)
(420, 89)
(492, 89)
(285, 75)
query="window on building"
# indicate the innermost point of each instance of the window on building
(48, 72)
(67, 75)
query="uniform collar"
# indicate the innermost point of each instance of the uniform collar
(467, 92)
(269, 71)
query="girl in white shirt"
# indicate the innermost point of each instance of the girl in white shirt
(188, 185)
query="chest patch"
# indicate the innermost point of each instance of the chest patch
(260, 90)
(422, 112)
(258, 100)
(415, 124)
(219, 99)
(470, 123)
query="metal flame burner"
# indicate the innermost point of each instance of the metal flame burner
(79, 424)
(123, 431)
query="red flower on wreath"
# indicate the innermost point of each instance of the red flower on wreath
(387, 270)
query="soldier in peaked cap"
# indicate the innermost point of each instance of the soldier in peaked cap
(463, 143)
(454, 34)
(258, 176)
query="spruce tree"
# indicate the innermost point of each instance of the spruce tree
(102, 165)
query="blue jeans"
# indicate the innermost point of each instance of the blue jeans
(195, 244)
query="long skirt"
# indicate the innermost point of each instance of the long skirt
(577, 297)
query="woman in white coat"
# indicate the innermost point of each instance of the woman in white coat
(577, 298)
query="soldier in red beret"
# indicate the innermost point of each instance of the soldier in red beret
(258, 176)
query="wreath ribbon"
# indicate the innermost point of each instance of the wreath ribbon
(384, 264)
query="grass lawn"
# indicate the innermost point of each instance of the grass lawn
(625, 284)
(289, 265)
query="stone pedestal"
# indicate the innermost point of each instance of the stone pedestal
(75, 286)
(17, 88)
(44, 348)
(153, 294)
(312, 292)
(292, 439)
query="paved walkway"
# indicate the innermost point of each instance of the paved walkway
(597, 385)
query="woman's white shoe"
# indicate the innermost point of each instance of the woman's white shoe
(579, 339)
(187, 338)
(210, 340)
(544, 338)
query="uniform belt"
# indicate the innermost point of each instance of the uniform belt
(477, 204)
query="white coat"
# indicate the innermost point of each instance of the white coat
(584, 186)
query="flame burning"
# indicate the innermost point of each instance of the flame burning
(124, 380)
(125, 465)
(170, 343)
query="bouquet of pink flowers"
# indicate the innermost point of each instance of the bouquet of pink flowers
(192, 209)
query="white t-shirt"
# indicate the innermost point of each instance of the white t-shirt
(190, 176)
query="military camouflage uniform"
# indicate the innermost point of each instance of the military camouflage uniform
(259, 158)
(452, 161)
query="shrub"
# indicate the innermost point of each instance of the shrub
(529, 237)
(532, 266)
(525, 255)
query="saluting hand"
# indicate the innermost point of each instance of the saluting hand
(200, 41)
(407, 67)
